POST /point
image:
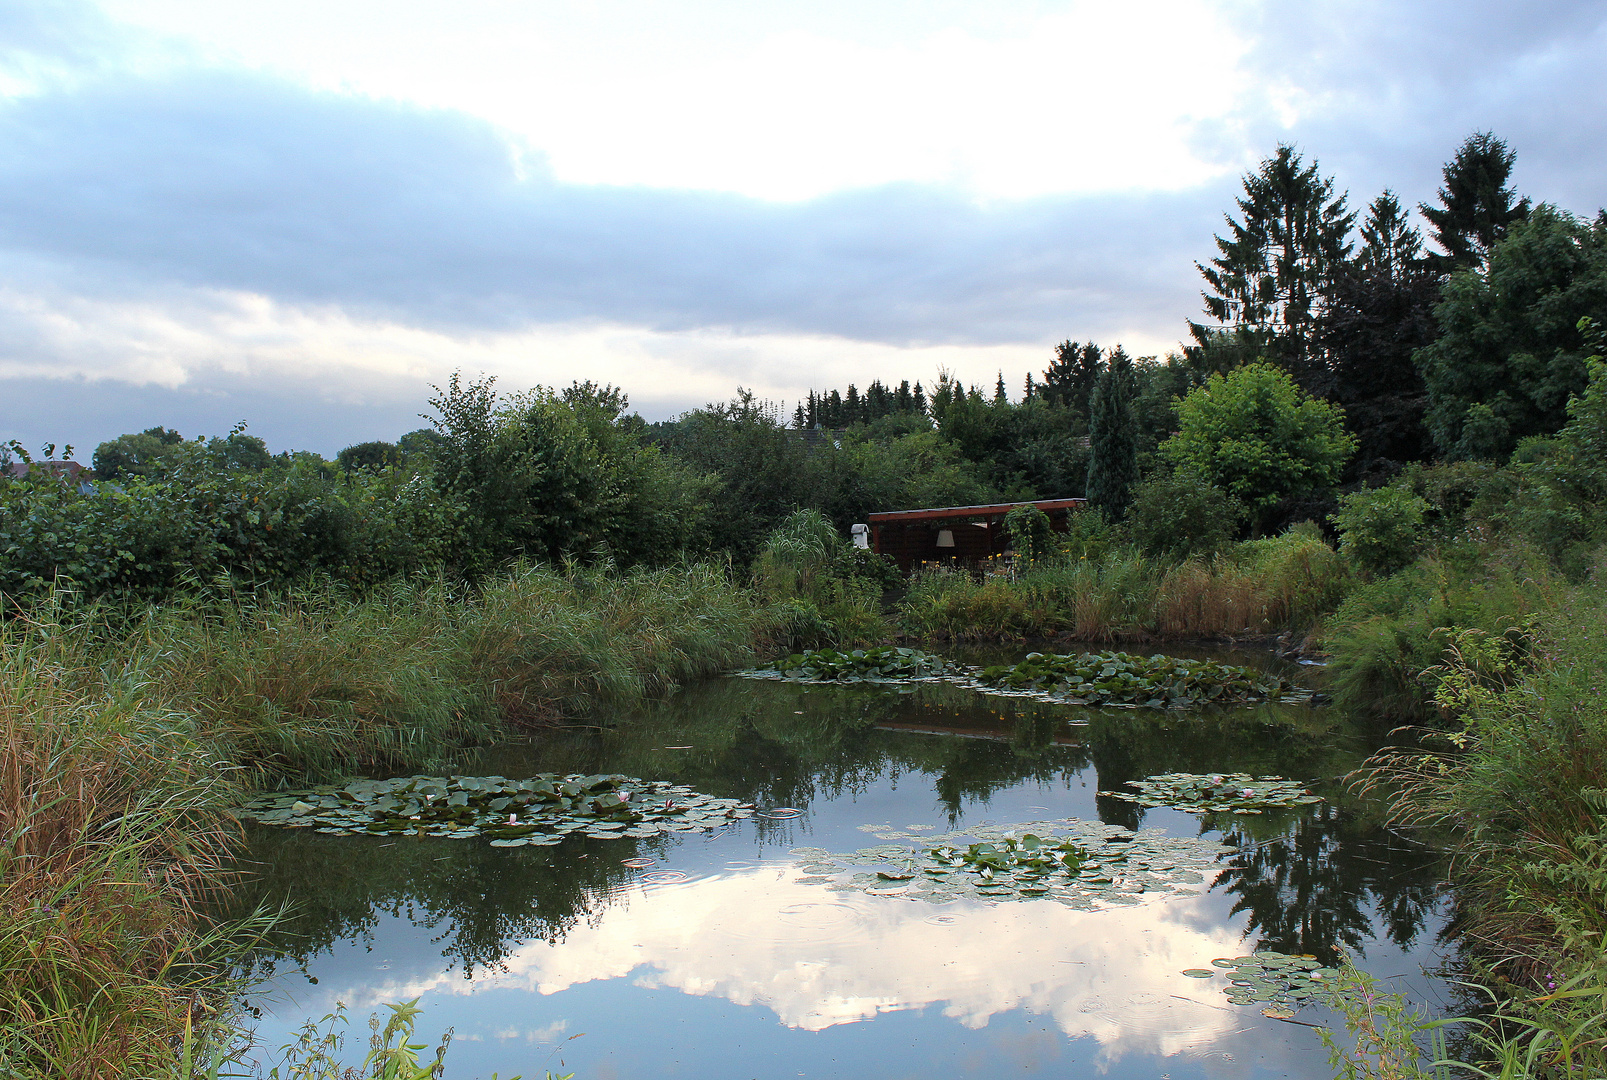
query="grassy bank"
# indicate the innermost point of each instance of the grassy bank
(125, 736)
(1261, 587)
(111, 828)
(1518, 786)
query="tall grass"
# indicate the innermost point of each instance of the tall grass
(318, 681)
(125, 735)
(321, 682)
(110, 831)
(1258, 588)
(1388, 639)
(546, 644)
(1523, 794)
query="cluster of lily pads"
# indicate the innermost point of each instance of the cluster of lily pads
(1155, 682)
(1237, 793)
(1080, 864)
(536, 810)
(1280, 981)
(882, 663)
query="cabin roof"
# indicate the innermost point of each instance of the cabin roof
(990, 510)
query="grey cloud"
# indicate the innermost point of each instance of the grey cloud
(242, 181)
(1397, 87)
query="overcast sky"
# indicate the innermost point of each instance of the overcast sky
(301, 213)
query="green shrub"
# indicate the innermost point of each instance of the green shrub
(1256, 435)
(1177, 515)
(1030, 532)
(1388, 637)
(1381, 529)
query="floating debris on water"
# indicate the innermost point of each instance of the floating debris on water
(538, 810)
(1081, 864)
(1236, 793)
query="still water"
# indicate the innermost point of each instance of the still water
(714, 961)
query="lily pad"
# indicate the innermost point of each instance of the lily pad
(1042, 860)
(536, 810)
(882, 663)
(1238, 793)
(1155, 682)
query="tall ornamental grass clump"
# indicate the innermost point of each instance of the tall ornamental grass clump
(830, 590)
(110, 832)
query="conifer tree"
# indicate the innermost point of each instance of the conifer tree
(903, 399)
(1476, 205)
(1390, 244)
(920, 400)
(999, 395)
(1113, 464)
(1070, 379)
(1273, 264)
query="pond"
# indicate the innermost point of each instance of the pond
(723, 953)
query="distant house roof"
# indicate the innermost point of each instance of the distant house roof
(989, 510)
(69, 469)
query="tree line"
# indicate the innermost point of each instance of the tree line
(1335, 349)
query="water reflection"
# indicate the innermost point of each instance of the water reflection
(1325, 879)
(720, 919)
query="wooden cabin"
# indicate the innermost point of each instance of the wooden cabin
(958, 535)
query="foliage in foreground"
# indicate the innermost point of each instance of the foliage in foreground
(1520, 789)
(392, 1055)
(111, 829)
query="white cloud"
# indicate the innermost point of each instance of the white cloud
(818, 960)
(775, 101)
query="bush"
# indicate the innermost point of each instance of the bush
(1178, 515)
(1030, 531)
(1381, 529)
(1388, 638)
(1520, 789)
(1256, 435)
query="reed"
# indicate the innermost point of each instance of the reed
(1258, 588)
(110, 833)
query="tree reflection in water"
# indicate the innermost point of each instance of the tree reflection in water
(1311, 882)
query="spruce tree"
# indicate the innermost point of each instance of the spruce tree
(1272, 266)
(1000, 397)
(1113, 462)
(1476, 205)
(1390, 244)
(1070, 379)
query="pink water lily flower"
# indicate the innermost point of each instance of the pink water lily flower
(513, 819)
